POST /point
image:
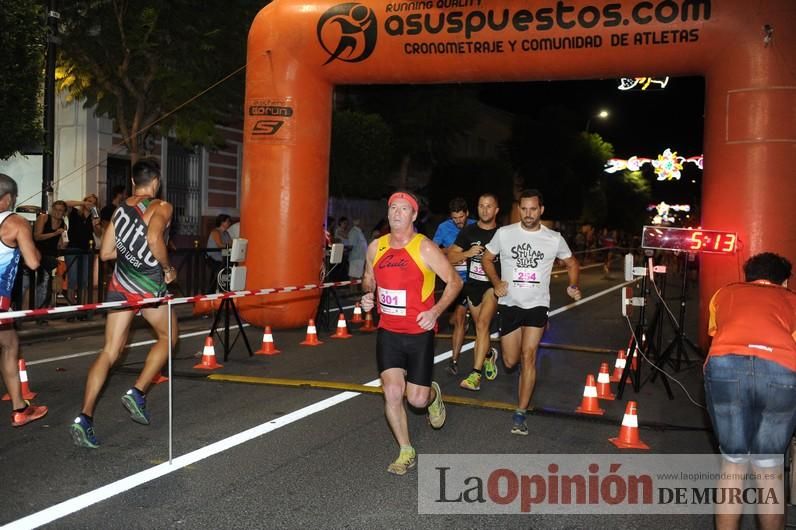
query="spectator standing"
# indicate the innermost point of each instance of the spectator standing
(218, 239)
(750, 377)
(356, 257)
(47, 233)
(119, 194)
(84, 224)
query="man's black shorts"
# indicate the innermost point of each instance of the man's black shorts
(461, 300)
(512, 317)
(413, 353)
(474, 291)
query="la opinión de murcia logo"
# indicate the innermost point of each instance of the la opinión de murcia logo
(347, 32)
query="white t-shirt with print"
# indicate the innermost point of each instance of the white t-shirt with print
(526, 261)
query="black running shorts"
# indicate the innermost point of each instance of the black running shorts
(461, 300)
(512, 317)
(474, 291)
(413, 353)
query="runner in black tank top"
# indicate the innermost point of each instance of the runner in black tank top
(136, 239)
(137, 274)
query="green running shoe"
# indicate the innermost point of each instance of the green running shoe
(473, 382)
(490, 365)
(405, 461)
(436, 410)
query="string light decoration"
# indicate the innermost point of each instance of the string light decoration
(663, 212)
(668, 165)
(629, 83)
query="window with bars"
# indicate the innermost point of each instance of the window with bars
(184, 188)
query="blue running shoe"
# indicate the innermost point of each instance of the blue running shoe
(135, 403)
(82, 431)
(519, 426)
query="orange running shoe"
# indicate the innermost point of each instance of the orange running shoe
(27, 415)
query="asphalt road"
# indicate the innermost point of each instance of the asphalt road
(268, 456)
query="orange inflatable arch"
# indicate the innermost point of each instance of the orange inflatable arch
(299, 50)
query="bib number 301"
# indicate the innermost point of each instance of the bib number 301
(392, 302)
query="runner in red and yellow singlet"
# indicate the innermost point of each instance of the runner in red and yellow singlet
(399, 276)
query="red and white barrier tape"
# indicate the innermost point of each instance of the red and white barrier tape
(11, 315)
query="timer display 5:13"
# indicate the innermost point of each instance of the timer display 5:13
(689, 239)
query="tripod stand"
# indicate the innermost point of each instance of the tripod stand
(322, 315)
(228, 306)
(679, 342)
(643, 341)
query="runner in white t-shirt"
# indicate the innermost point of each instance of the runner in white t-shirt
(527, 252)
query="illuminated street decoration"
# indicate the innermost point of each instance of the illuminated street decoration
(629, 83)
(667, 166)
(663, 212)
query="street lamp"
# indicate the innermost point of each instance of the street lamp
(602, 114)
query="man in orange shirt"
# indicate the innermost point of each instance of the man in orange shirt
(750, 375)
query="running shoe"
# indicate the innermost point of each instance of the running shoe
(518, 424)
(453, 367)
(436, 410)
(27, 415)
(135, 403)
(405, 461)
(490, 365)
(82, 431)
(473, 382)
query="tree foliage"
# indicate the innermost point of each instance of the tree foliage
(22, 48)
(140, 62)
(425, 121)
(619, 200)
(469, 178)
(360, 155)
(551, 155)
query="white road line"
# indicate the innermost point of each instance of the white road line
(85, 500)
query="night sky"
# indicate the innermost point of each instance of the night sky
(641, 123)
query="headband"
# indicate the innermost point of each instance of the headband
(405, 196)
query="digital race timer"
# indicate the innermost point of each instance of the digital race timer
(689, 239)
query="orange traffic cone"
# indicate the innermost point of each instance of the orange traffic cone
(604, 383)
(27, 393)
(342, 329)
(268, 347)
(159, 378)
(357, 318)
(619, 367)
(208, 356)
(628, 432)
(368, 326)
(589, 404)
(312, 335)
